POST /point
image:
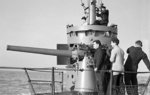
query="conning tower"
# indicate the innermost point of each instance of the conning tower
(91, 30)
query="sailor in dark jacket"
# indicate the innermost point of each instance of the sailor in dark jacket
(98, 55)
(135, 55)
(102, 17)
(101, 63)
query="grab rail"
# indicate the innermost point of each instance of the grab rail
(53, 70)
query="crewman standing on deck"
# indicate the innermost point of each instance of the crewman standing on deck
(135, 55)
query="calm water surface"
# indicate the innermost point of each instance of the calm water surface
(13, 83)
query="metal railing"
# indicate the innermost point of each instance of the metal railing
(51, 81)
(142, 86)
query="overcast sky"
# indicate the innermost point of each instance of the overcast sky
(42, 23)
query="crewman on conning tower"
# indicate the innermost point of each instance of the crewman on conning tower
(103, 14)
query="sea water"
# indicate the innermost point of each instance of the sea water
(13, 83)
(16, 82)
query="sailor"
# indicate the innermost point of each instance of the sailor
(117, 59)
(135, 55)
(101, 63)
(104, 15)
(98, 55)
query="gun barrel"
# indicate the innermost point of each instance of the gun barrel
(40, 50)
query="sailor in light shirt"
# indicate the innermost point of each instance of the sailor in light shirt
(117, 57)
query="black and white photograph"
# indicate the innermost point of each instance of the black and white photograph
(74, 47)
